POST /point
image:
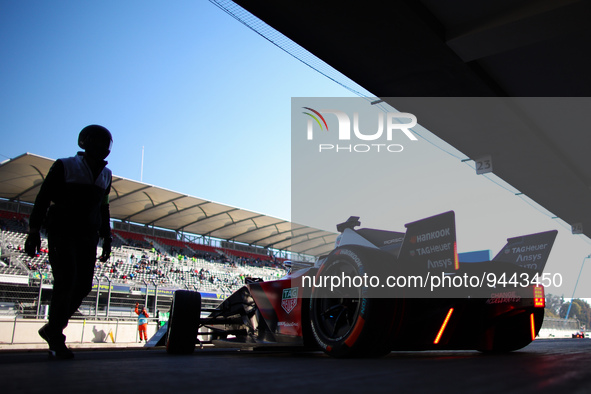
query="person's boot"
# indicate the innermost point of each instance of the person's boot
(56, 342)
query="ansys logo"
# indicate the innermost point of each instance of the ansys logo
(394, 122)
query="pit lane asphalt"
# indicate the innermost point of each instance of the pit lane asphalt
(546, 366)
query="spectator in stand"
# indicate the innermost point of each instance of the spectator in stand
(79, 188)
(142, 322)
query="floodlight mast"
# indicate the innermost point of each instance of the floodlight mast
(573, 296)
(142, 167)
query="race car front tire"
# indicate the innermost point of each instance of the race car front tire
(183, 322)
(346, 322)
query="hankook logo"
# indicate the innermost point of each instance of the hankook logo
(388, 125)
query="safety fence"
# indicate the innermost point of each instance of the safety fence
(24, 331)
(106, 300)
(559, 328)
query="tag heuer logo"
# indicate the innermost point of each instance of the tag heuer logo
(289, 299)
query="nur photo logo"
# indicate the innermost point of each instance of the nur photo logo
(389, 126)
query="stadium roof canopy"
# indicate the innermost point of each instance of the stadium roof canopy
(405, 50)
(136, 202)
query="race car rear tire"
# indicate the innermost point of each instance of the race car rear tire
(183, 322)
(515, 332)
(346, 322)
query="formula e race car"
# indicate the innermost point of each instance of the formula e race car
(579, 334)
(380, 291)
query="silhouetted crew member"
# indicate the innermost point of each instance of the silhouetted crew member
(79, 188)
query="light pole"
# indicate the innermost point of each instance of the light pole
(98, 293)
(108, 296)
(155, 297)
(573, 296)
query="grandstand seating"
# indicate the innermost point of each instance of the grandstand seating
(135, 261)
(13, 221)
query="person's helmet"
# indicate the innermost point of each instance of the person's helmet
(96, 141)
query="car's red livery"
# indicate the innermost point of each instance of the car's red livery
(491, 306)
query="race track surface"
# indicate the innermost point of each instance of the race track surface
(546, 366)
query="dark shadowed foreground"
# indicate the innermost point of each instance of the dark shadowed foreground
(545, 366)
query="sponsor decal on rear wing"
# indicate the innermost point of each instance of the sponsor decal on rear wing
(528, 251)
(430, 244)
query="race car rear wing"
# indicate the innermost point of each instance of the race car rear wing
(430, 244)
(529, 251)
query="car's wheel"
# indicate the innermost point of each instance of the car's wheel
(348, 321)
(515, 332)
(183, 322)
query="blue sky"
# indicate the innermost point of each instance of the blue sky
(209, 100)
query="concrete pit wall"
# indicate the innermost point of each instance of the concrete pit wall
(24, 331)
